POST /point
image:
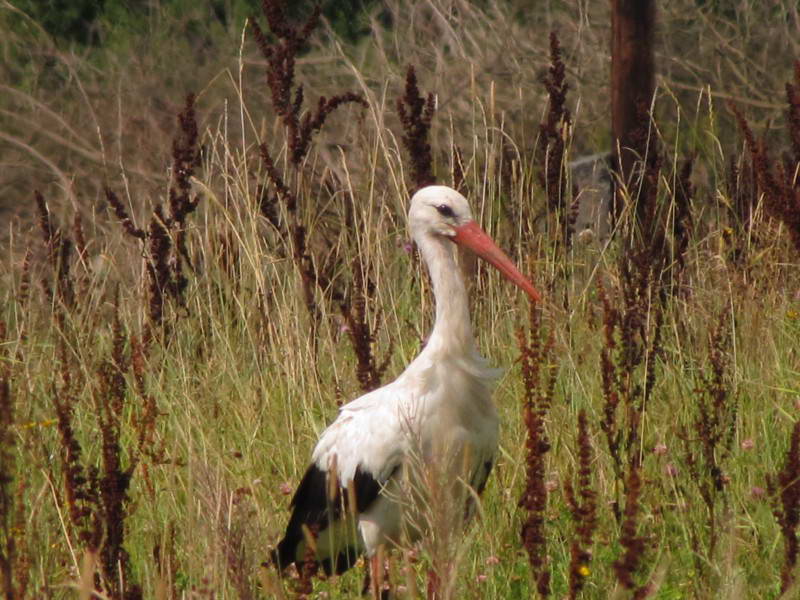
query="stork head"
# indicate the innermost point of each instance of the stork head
(440, 211)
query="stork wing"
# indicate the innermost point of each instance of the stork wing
(352, 461)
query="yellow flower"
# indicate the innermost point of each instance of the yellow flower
(583, 571)
(792, 314)
(33, 424)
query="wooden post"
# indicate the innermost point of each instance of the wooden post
(632, 78)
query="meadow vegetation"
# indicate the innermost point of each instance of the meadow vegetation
(207, 254)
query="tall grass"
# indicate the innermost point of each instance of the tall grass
(170, 352)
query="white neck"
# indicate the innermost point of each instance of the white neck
(452, 331)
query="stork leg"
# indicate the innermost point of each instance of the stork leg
(376, 566)
(374, 577)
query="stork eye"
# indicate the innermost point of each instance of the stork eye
(445, 211)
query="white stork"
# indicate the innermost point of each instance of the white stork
(350, 500)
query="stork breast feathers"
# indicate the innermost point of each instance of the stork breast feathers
(379, 429)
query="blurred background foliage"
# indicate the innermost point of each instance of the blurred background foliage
(90, 88)
(103, 22)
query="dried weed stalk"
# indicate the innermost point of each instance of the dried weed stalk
(97, 493)
(583, 507)
(552, 148)
(657, 231)
(784, 488)
(164, 241)
(113, 480)
(778, 181)
(280, 51)
(539, 377)
(281, 55)
(416, 114)
(59, 248)
(80, 492)
(627, 566)
(714, 429)
(15, 561)
(369, 371)
(632, 323)
(648, 227)
(644, 222)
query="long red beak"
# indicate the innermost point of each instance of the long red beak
(476, 239)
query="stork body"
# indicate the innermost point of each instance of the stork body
(438, 414)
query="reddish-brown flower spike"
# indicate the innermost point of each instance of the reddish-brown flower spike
(538, 397)
(312, 124)
(185, 157)
(781, 192)
(59, 252)
(584, 510)
(276, 18)
(49, 232)
(416, 115)
(354, 311)
(122, 214)
(785, 489)
(627, 565)
(551, 150)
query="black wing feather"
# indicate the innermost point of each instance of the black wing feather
(481, 483)
(313, 508)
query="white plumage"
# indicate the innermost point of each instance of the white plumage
(437, 413)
